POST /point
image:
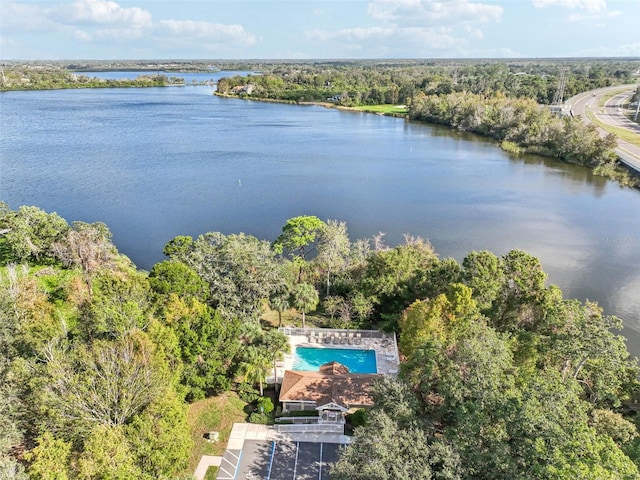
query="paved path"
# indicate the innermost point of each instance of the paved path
(611, 114)
(205, 462)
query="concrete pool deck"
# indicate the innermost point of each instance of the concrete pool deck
(384, 344)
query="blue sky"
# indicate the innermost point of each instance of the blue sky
(305, 29)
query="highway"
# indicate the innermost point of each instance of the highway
(611, 114)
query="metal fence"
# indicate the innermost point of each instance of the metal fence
(334, 331)
(311, 428)
(298, 420)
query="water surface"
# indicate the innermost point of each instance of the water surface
(154, 163)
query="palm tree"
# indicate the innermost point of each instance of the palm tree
(277, 344)
(279, 301)
(305, 299)
(255, 365)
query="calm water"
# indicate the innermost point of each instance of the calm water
(156, 163)
(357, 361)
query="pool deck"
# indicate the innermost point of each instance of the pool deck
(384, 344)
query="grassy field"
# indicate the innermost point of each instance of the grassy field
(216, 414)
(384, 109)
(626, 135)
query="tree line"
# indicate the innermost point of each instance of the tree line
(501, 376)
(50, 78)
(501, 100)
(373, 82)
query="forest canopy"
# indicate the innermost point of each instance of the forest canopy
(501, 376)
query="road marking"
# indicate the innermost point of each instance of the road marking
(295, 465)
(273, 451)
(320, 469)
(231, 468)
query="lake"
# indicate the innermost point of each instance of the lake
(153, 163)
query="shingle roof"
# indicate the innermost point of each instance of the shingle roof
(333, 368)
(330, 384)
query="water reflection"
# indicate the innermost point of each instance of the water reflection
(156, 163)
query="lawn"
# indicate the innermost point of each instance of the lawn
(624, 134)
(384, 109)
(216, 414)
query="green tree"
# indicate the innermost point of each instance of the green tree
(333, 248)
(87, 246)
(121, 302)
(397, 277)
(178, 248)
(276, 344)
(298, 234)
(254, 366)
(279, 299)
(305, 299)
(49, 459)
(208, 345)
(106, 382)
(159, 437)
(240, 269)
(381, 450)
(30, 232)
(176, 277)
(521, 294)
(298, 238)
(107, 455)
(484, 274)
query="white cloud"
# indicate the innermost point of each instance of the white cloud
(82, 36)
(588, 5)
(105, 21)
(205, 31)
(100, 12)
(422, 27)
(433, 12)
(599, 16)
(624, 50)
(390, 40)
(23, 18)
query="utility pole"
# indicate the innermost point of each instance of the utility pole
(558, 97)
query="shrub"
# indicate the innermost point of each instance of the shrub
(264, 405)
(358, 418)
(261, 418)
(247, 392)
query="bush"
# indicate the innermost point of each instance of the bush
(247, 393)
(358, 418)
(261, 418)
(512, 147)
(264, 405)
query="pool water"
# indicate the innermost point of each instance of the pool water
(357, 361)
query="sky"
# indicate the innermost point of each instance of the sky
(317, 29)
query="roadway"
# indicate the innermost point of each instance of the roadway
(612, 114)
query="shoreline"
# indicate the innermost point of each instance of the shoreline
(508, 148)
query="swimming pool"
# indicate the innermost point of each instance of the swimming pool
(357, 361)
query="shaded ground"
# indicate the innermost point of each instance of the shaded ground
(279, 460)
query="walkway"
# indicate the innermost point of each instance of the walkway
(205, 462)
(383, 343)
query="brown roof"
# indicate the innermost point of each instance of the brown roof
(333, 368)
(348, 389)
